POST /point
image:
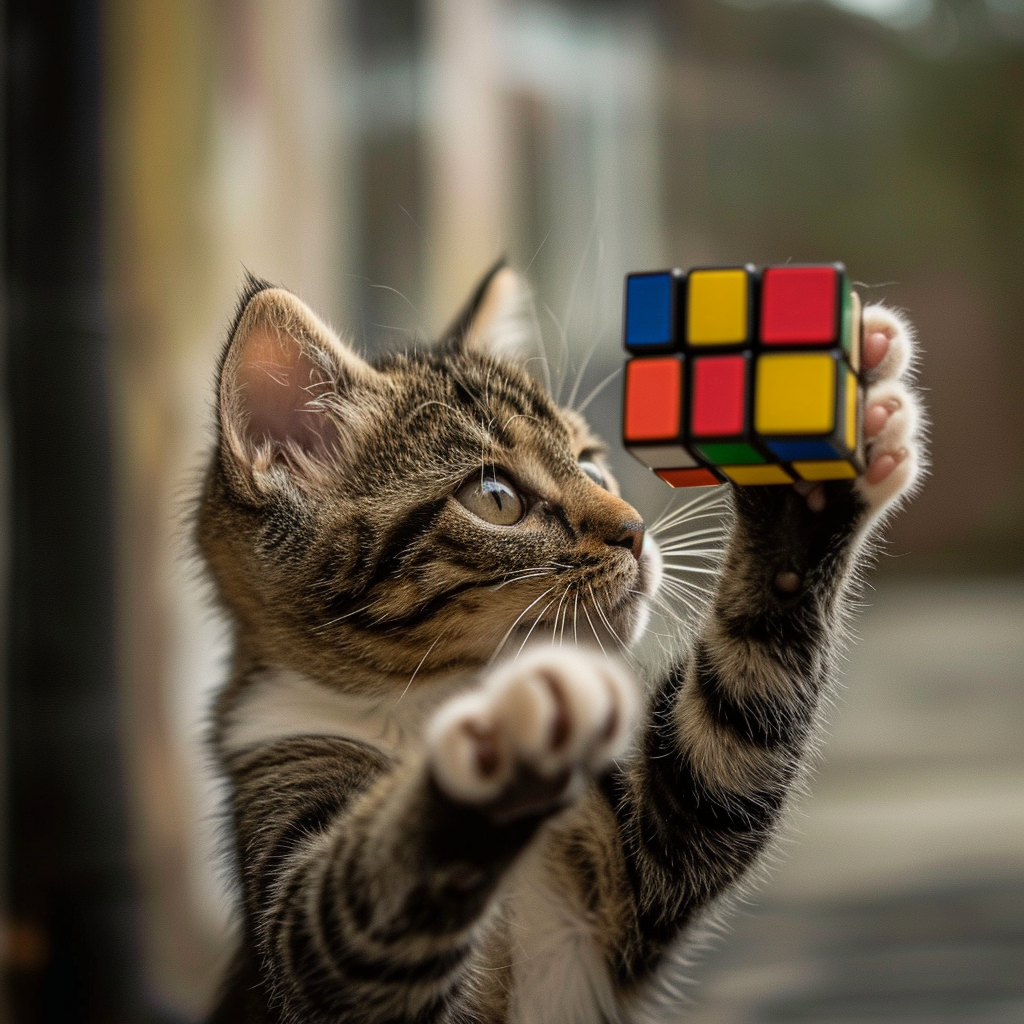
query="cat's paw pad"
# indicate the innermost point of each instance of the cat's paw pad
(893, 416)
(534, 724)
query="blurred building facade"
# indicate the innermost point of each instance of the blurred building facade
(376, 157)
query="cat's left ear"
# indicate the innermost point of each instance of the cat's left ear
(498, 320)
(294, 399)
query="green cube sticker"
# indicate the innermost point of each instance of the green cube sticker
(730, 454)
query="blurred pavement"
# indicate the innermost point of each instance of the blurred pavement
(900, 895)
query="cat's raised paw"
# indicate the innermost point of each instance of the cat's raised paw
(535, 725)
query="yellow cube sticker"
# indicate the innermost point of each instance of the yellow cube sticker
(795, 393)
(716, 308)
(756, 474)
(825, 469)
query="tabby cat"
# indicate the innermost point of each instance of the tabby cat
(432, 818)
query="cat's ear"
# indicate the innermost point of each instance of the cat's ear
(498, 320)
(286, 383)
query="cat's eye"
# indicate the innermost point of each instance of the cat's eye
(493, 499)
(593, 470)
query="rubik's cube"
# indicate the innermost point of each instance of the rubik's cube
(744, 375)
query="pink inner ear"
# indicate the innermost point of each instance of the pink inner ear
(277, 381)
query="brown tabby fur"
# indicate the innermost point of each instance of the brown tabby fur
(364, 597)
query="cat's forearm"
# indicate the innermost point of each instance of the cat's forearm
(730, 724)
(363, 882)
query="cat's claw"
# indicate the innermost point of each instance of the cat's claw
(535, 726)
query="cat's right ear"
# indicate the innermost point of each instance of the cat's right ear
(498, 319)
(290, 393)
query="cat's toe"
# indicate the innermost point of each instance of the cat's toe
(888, 347)
(891, 417)
(469, 757)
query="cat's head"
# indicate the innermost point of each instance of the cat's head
(368, 519)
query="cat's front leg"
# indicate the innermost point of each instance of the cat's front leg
(732, 725)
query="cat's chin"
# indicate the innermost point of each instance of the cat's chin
(630, 614)
(648, 582)
(651, 569)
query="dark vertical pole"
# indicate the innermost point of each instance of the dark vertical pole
(72, 954)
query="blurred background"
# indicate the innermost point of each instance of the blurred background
(376, 156)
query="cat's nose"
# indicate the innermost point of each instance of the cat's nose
(631, 536)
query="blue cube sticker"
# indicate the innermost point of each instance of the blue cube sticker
(795, 450)
(649, 300)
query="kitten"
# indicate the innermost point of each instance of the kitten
(426, 827)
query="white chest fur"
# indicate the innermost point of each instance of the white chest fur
(559, 976)
(279, 703)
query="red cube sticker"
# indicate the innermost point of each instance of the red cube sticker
(719, 396)
(799, 305)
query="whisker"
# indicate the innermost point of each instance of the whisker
(558, 608)
(669, 611)
(600, 387)
(583, 367)
(703, 504)
(341, 618)
(537, 253)
(679, 581)
(529, 633)
(593, 630)
(563, 361)
(598, 336)
(521, 577)
(405, 298)
(700, 499)
(519, 617)
(691, 568)
(561, 632)
(604, 618)
(577, 277)
(417, 669)
(690, 515)
(715, 553)
(689, 589)
(683, 598)
(693, 544)
(706, 531)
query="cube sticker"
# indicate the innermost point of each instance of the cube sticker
(745, 376)
(650, 318)
(718, 307)
(720, 418)
(802, 305)
(652, 415)
(795, 393)
(719, 396)
(757, 474)
(853, 330)
(698, 477)
(825, 469)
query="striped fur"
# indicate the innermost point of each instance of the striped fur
(427, 828)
